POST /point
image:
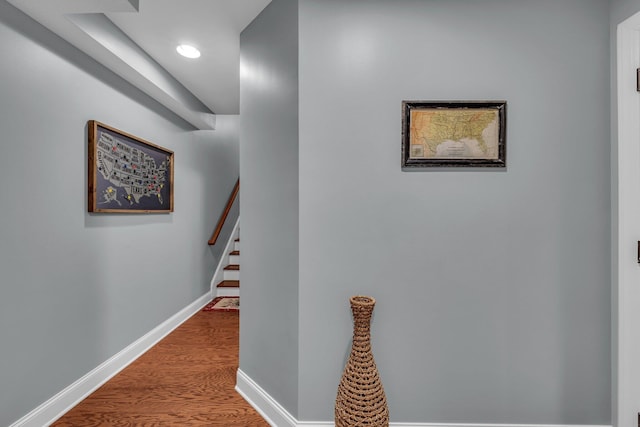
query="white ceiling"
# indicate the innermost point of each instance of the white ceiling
(137, 39)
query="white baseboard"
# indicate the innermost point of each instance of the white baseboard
(62, 402)
(489, 425)
(277, 416)
(266, 405)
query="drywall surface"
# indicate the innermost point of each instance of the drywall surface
(269, 200)
(623, 9)
(76, 288)
(492, 286)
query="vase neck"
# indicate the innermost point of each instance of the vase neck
(362, 321)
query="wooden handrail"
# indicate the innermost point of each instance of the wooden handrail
(232, 198)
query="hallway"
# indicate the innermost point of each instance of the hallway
(187, 379)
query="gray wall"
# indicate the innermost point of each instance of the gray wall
(621, 10)
(77, 288)
(492, 286)
(269, 200)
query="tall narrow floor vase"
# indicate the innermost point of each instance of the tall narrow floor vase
(361, 400)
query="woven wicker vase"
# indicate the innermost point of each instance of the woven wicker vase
(361, 400)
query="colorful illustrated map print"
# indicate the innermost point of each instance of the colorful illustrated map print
(454, 134)
(131, 169)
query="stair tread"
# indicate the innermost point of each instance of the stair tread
(237, 240)
(229, 284)
(232, 267)
(234, 253)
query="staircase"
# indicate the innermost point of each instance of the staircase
(227, 280)
(230, 283)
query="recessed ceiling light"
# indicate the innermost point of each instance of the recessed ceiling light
(188, 51)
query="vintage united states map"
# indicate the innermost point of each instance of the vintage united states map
(454, 134)
(130, 169)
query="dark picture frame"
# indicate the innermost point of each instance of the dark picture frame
(127, 174)
(454, 134)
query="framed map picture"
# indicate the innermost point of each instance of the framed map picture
(454, 134)
(128, 174)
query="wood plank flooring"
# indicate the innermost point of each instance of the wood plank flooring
(187, 379)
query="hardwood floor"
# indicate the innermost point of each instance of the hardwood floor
(187, 379)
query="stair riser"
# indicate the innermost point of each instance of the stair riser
(231, 275)
(234, 259)
(228, 292)
(236, 246)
